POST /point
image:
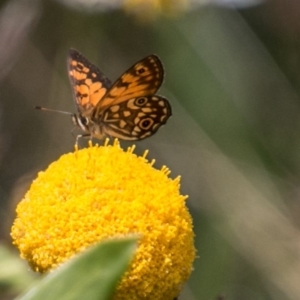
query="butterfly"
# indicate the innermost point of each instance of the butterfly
(128, 109)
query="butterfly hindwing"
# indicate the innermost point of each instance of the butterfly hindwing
(88, 83)
(142, 79)
(136, 118)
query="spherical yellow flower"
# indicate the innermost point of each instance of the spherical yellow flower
(105, 192)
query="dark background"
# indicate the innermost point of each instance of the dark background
(233, 79)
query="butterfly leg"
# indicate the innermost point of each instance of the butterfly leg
(79, 136)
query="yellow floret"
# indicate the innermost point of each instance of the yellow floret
(103, 192)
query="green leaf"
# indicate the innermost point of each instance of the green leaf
(14, 275)
(91, 275)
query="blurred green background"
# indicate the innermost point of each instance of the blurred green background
(233, 79)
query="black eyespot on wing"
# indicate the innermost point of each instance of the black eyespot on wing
(141, 101)
(141, 71)
(146, 123)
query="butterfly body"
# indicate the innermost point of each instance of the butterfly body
(127, 109)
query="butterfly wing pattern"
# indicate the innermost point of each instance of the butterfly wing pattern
(127, 109)
(89, 84)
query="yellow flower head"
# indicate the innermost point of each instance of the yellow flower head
(147, 10)
(104, 192)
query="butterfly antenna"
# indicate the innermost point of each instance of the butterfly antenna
(54, 110)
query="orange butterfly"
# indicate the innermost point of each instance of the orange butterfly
(127, 109)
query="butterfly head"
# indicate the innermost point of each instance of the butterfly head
(81, 121)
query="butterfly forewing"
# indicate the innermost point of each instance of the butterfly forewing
(142, 79)
(88, 83)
